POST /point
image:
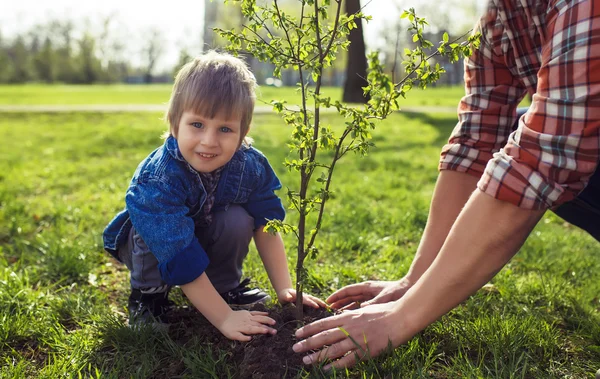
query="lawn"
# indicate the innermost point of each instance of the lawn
(62, 299)
(34, 94)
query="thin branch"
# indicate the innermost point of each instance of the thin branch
(334, 31)
(315, 137)
(428, 58)
(294, 59)
(287, 36)
(335, 27)
(396, 53)
(336, 157)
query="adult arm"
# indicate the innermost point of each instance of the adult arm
(452, 191)
(477, 247)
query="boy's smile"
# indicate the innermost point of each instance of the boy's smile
(208, 143)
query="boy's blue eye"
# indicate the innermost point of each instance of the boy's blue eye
(225, 129)
(197, 124)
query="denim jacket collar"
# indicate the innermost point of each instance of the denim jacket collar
(173, 148)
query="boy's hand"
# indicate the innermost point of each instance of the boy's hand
(238, 324)
(288, 295)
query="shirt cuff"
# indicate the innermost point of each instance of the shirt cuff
(463, 158)
(185, 266)
(508, 180)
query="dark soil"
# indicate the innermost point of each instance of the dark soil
(265, 356)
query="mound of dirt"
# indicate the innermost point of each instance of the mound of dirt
(265, 356)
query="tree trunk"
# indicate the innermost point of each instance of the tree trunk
(356, 67)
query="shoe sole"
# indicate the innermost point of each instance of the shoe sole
(264, 300)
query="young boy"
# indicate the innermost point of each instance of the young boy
(195, 203)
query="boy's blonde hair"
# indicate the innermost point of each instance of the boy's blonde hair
(213, 84)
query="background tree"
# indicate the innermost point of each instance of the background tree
(356, 64)
(44, 62)
(153, 48)
(20, 61)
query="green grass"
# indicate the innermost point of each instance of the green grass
(34, 94)
(62, 300)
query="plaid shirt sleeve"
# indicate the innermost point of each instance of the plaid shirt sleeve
(555, 149)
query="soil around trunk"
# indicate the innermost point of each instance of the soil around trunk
(263, 357)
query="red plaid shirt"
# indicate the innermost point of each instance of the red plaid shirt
(550, 49)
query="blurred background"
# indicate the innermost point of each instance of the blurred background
(135, 42)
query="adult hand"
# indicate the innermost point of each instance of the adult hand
(372, 330)
(288, 295)
(239, 324)
(369, 293)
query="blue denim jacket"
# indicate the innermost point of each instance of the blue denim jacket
(164, 202)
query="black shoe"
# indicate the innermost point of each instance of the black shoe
(148, 308)
(243, 297)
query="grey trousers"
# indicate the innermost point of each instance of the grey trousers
(225, 240)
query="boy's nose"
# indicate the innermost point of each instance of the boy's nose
(209, 138)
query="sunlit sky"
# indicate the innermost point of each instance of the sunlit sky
(180, 21)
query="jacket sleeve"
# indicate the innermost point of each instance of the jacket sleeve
(159, 215)
(263, 204)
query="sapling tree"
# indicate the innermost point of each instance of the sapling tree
(309, 42)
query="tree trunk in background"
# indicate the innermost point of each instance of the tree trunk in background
(211, 15)
(356, 67)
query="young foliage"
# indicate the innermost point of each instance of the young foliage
(309, 42)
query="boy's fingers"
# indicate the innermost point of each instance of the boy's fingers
(264, 320)
(257, 329)
(321, 302)
(314, 302)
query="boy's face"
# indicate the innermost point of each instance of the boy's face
(205, 143)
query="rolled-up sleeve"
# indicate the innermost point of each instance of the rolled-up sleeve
(550, 157)
(488, 110)
(160, 217)
(552, 49)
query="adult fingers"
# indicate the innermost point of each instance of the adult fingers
(346, 361)
(319, 326)
(392, 293)
(317, 341)
(341, 303)
(348, 291)
(334, 351)
(351, 306)
(386, 298)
